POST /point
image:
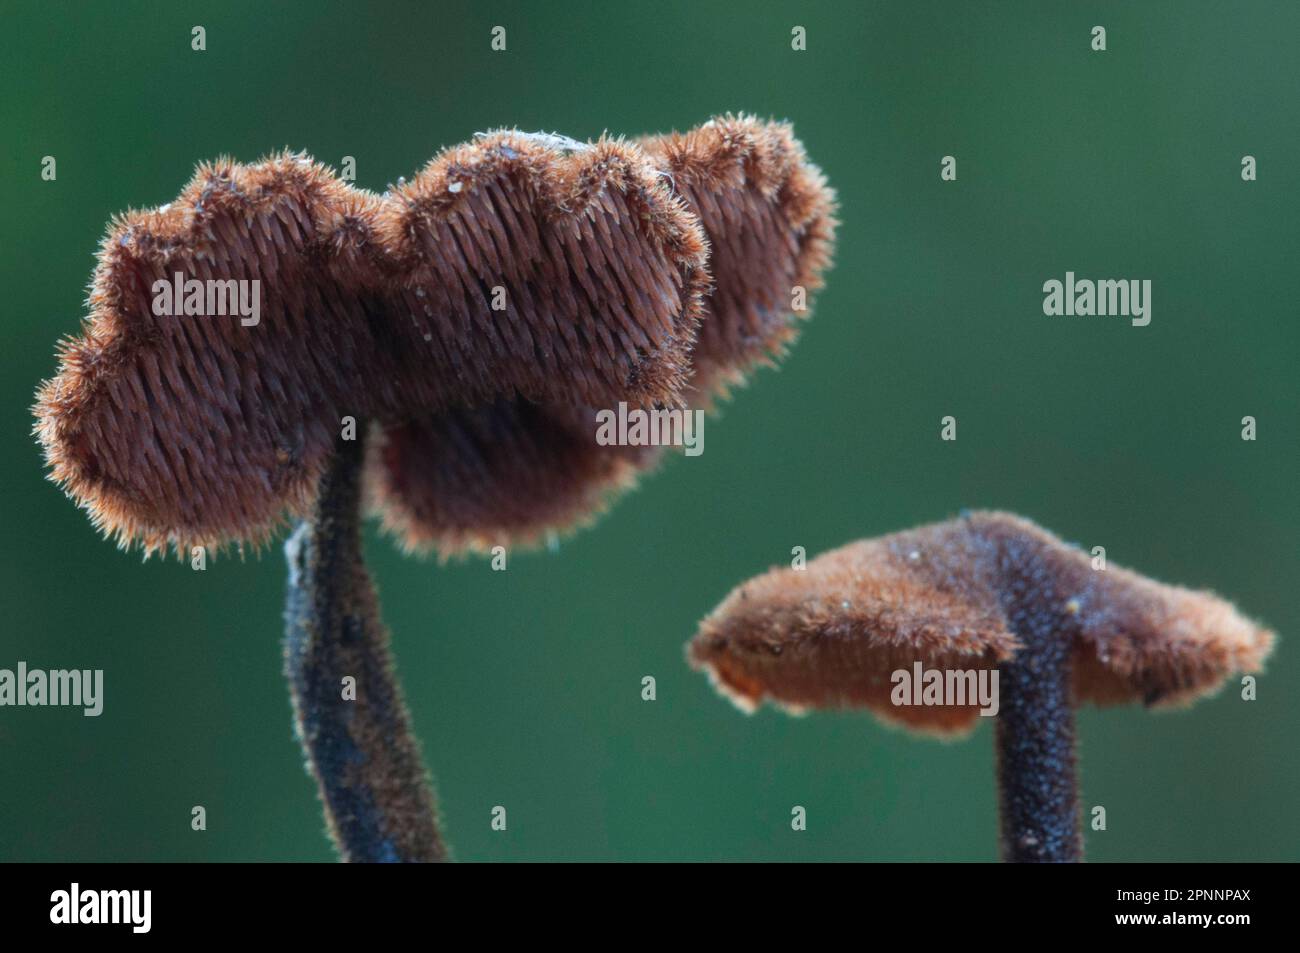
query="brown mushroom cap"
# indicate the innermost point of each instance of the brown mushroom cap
(196, 430)
(769, 218)
(199, 430)
(831, 635)
(515, 470)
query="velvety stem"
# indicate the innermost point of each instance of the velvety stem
(378, 801)
(1039, 809)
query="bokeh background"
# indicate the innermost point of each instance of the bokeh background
(525, 685)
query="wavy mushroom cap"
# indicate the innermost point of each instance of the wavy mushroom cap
(518, 470)
(948, 596)
(198, 429)
(769, 217)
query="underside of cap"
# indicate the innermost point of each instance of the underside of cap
(516, 276)
(768, 216)
(508, 473)
(507, 268)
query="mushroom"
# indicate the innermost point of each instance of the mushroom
(382, 371)
(988, 591)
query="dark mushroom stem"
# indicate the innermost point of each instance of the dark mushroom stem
(378, 801)
(1039, 805)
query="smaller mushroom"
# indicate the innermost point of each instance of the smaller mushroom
(986, 591)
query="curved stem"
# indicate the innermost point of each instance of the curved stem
(1039, 807)
(356, 735)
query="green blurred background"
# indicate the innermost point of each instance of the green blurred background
(525, 685)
